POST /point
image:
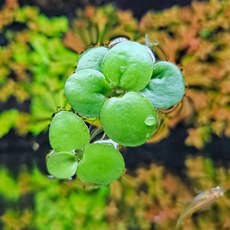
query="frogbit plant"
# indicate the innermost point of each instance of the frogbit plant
(122, 86)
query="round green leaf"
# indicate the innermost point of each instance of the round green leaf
(62, 165)
(129, 120)
(85, 91)
(68, 132)
(128, 65)
(166, 88)
(92, 58)
(101, 164)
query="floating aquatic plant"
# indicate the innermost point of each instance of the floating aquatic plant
(110, 85)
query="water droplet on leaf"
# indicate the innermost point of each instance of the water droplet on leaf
(150, 120)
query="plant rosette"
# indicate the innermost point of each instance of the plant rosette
(127, 67)
(100, 164)
(123, 87)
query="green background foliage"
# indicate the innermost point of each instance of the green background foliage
(152, 198)
(33, 67)
(34, 201)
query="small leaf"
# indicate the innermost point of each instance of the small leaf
(129, 120)
(62, 165)
(92, 58)
(101, 164)
(166, 88)
(85, 91)
(68, 132)
(128, 65)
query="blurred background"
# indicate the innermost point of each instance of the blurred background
(40, 43)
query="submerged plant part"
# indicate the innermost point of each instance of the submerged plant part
(149, 198)
(153, 197)
(98, 25)
(199, 202)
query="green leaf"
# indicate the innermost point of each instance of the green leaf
(129, 120)
(128, 65)
(166, 88)
(92, 58)
(101, 164)
(42, 108)
(85, 91)
(68, 132)
(62, 165)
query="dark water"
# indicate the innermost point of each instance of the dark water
(171, 152)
